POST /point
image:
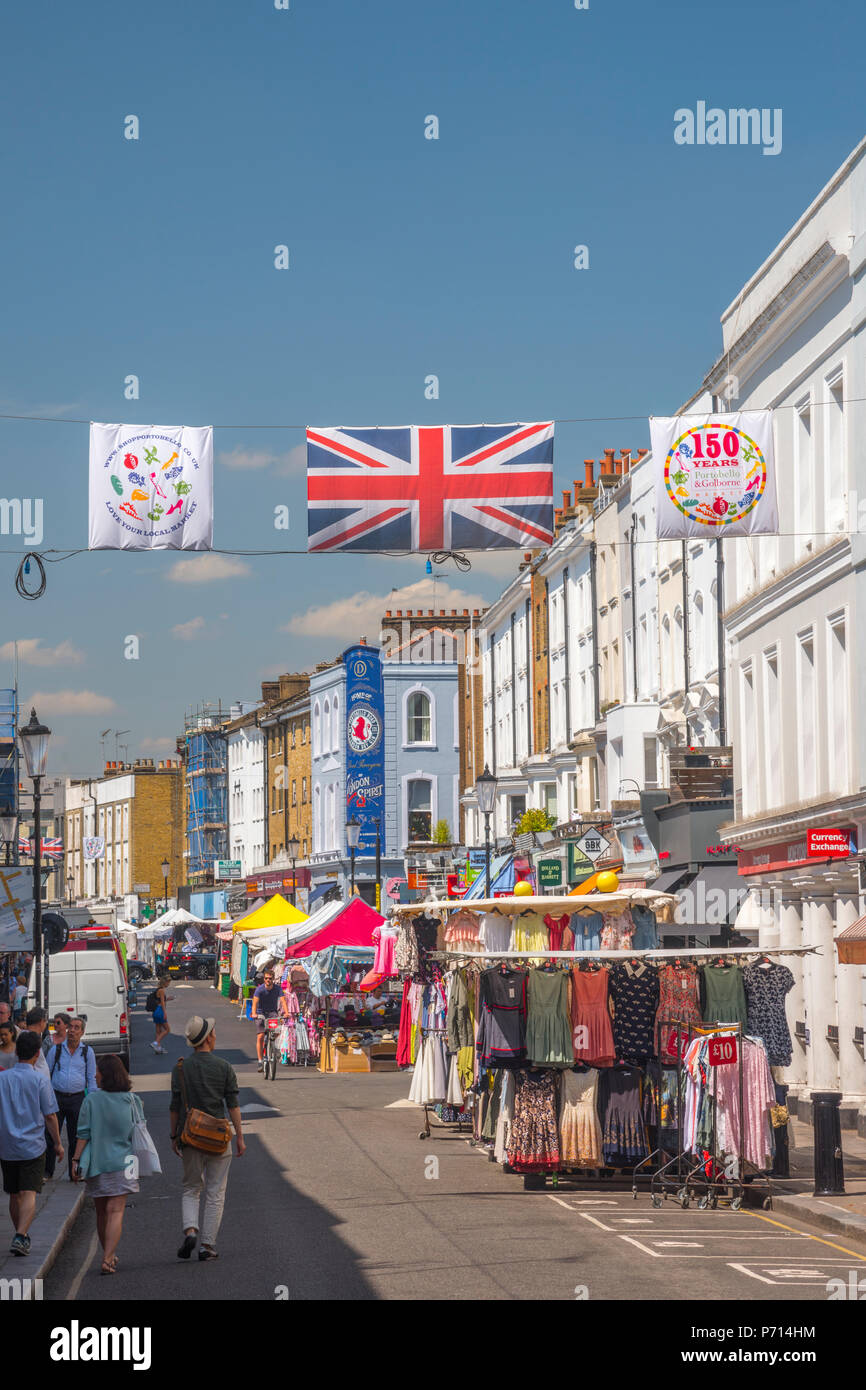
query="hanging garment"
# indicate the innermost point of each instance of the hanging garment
(723, 998)
(495, 932)
(618, 930)
(580, 1139)
(559, 932)
(646, 936)
(501, 1040)
(534, 1143)
(623, 1135)
(766, 987)
(530, 933)
(754, 1132)
(548, 1025)
(634, 990)
(505, 1118)
(454, 1094)
(587, 929)
(462, 926)
(459, 1030)
(430, 1078)
(678, 999)
(385, 938)
(592, 1035)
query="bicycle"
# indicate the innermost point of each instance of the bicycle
(273, 1024)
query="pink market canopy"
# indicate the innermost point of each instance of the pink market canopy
(353, 926)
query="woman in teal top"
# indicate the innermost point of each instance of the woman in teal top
(104, 1153)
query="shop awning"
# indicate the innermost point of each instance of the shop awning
(709, 903)
(851, 944)
(668, 881)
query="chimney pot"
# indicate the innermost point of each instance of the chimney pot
(466, 612)
(617, 467)
(362, 642)
(475, 612)
(527, 556)
(589, 471)
(387, 612)
(566, 500)
(642, 452)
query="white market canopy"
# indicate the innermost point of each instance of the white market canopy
(573, 902)
(178, 917)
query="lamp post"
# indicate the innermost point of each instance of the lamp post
(485, 788)
(70, 884)
(34, 740)
(293, 847)
(353, 836)
(165, 868)
(9, 830)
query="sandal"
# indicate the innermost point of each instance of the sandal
(109, 1267)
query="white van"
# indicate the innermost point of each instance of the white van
(87, 978)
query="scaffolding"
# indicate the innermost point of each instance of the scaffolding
(205, 789)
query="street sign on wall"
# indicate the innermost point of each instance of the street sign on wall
(579, 866)
(593, 844)
(227, 868)
(549, 873)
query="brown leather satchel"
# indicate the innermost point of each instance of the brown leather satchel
(201, 1130)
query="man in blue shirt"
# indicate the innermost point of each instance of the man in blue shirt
(73, 1073)
(27, 1106)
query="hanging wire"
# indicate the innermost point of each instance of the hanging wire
(31, 558)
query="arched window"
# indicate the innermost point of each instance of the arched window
(317, 821)
(418, 718)
(700, 637)
(667, 653)
(317, 730)
(677, 680)
(335, 717)
(327, 744)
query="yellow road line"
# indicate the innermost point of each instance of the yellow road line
(820, 1239)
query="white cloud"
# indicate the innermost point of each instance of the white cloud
(361, 614)
(67, 702)
(32, 653)
(294, 461)
(187, 630)
(204, 568)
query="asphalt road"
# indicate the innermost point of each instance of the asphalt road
(336, 1198)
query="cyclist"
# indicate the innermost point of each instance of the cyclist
(268, 1002)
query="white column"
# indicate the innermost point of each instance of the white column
(792, 933)
(850, 978)
(821, 992)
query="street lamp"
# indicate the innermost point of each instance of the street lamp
(165, 868)
(353, 836)
(293, 848)
(485, 788)
(34, 740)
(70, 884)
(9, 830)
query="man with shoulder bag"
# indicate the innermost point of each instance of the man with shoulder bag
(204, 1098)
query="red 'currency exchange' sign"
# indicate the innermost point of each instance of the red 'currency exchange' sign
(828, 844)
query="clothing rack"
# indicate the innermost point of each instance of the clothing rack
(650, 953)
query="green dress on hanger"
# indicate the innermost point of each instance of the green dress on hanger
(724, 995)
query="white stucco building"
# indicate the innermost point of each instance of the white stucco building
(793, 340)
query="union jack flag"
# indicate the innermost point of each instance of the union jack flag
(51, 848)
(426, 488)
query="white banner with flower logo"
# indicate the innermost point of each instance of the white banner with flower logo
(151, 487)
(715, 474)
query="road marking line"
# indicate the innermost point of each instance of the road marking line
(92, 1248)
(645, 1248)
(560, 1201)
(832, 1243)
(595, 1221)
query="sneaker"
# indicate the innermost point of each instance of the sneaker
(20, 1245)
(161, 1051)
(155, 1046)
(260, 1066)
(187, 1248)
(207, 1254)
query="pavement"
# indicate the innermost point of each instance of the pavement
(842, 1213)
(336, 1198)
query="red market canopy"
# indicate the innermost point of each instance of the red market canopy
(354, 926)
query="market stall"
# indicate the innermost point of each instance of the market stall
(578, 1046)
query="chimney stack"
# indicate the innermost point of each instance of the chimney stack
(608, 468)
(566, 500)
(589, 472)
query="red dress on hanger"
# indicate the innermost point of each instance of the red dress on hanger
(590, 1018)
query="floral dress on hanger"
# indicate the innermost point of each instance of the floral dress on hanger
(678, 999)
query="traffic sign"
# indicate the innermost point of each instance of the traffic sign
(593, 844)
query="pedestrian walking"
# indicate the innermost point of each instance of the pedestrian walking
(36, 1021)
(72, 1071)
(8, 1055)
(59, 1028)
(103, 1156)
(5, 1012)
(160, 1017)
(27, 1105)
(204, 1098)
(20, 995)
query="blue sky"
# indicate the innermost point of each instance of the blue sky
(409, 257)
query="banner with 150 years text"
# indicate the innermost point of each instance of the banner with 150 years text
(716, 475)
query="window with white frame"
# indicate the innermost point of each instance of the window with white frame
(335, 716)
(419, 717)
(550, 800)
(837, 703)
(807, 741)
(804, 481)
(772, 729)
(700, 637)
(679, 648)
(419, 809)
(749, 741)
(835, 463)
(317, 730)
(327, 744)
(650, 761)
(667, 654)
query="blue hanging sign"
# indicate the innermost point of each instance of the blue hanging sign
(365, 743)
